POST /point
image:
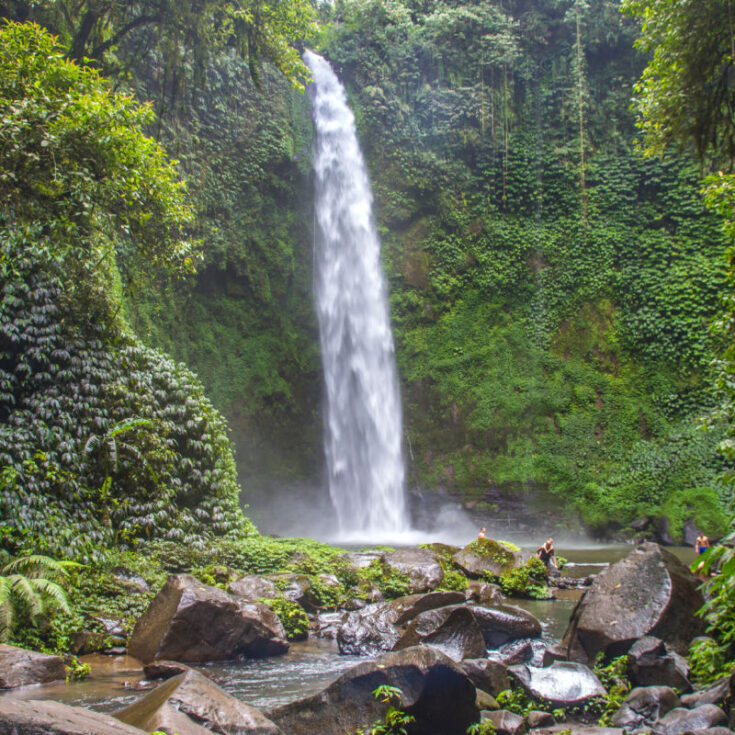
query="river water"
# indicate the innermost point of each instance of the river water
(310, 665)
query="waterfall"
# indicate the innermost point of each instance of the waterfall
(363, 426)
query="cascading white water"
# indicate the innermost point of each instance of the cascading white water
(363, 430)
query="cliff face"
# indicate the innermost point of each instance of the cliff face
(550, 289)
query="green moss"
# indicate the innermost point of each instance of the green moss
(527, 581)
(702, 505)
(292, 615)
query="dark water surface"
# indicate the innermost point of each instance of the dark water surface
(310, 665)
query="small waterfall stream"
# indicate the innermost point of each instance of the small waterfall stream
(364, 422)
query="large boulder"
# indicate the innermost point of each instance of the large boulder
(377, 628)
(420, 566)
(485, 556)
(681, 720)
(563, 683)
(19, 667)
(650, 661)
(529, 651)
(453, 630)
(715, 693)
(483, 593)
(34, 717)
(643, 706)
(192, 622)
(488, 676)
(190, 703)
(435, 691)
(650, 592)
(368, 632)
(501, 624)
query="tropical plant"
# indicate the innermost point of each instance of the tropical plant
(395, 720)
(30, 589)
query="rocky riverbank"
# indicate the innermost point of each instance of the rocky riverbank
(445, 659)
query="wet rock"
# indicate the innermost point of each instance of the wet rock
(503, 623)
(19, 667)
(651, 662)
(328, 624)
(515, 652)
(420, 566)
(661, 531)
(713, 694)
(162, 669)
(484, 593)
(453, 630)
(404, 609)
(486, 556)
(506, 723)
(536, 718)
(435, 691)
(191, 622)
(361, 559)
(711, 731)
(488, 676)
(644, 705)
(368, 632)
(377, 628)
(296, 588)
(82, 642)
(650, 592)
(485, 701)
(681, 720)
(133, 583)
(563, 683)
(112, 626)
(190, 703)
(33, 717)
(252, 587)
(690, 533)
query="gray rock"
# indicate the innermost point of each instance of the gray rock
(503, 623)
(453, 630)
(328, 624)
(650, 592)
(506, 723)
(420, 566)
(563, 683)
(133, 583)
(489, 676)
(712, 694)
(33, 717)
(190, 703)
(690, 533)
(19, 667)
(711, 731)
(651, 662)
(484, 593)
(536, 718)
(486, 556)
(682, 720)
(435, 691)
(575, 728)
(296, 588)
(252, 587)
(377, 628)
(191, 622)
(644, 705)
(368, 632)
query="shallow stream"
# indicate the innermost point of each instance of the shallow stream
(310, 665)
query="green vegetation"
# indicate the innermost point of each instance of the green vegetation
(29, 590)
(527, 581)
(293, 617)
(395, 721)
(550, 289)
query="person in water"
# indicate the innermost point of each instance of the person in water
(546, 553)
(702, 543)
(482, 533)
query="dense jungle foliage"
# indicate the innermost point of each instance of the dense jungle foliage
(551, 288)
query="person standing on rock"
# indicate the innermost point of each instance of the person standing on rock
(546, 553)
(482, 533)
